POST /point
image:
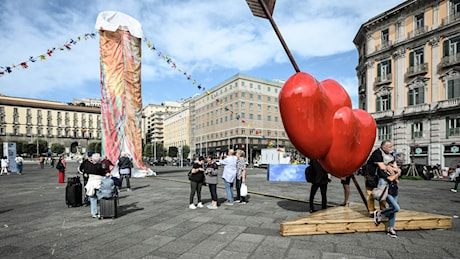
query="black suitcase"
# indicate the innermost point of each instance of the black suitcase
(73, 192)
(108, 207)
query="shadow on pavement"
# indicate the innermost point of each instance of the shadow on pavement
(128, 208)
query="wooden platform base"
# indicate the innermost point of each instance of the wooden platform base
(355, 218)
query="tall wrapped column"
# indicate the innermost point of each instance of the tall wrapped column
(120, 50)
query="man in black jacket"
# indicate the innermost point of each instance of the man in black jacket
(124, 166)
(320, 180)
(83, 169)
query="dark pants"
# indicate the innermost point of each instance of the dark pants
(213, 190)
(314, 189)
(195, 187)
(86, 199)
(20, 167)
(125, 176)
(238, 190)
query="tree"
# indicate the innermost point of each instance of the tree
(186, 150)
(57, 148)
(172, 151)
(95, 147)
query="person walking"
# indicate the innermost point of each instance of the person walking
(390, 178)
(229, 174)
(320, 181)
(240, 175)
(457, 178)
(124, 166)
(61, 165)
(212, 180)
(19, 163)
(4, 164)
(96, 172)
(42, 162)
(196, 182)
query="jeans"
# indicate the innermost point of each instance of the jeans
(93, 201)
(86, 199)
(125, 176)
(195, 187)
(229, 190)
(314, 189)
(390, 212)
(213, 190)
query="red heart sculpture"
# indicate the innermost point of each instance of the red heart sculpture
(320, 123)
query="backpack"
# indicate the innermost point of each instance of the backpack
(189, 175)
(372, 179)
(309, 174)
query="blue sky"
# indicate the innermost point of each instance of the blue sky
(208, 39)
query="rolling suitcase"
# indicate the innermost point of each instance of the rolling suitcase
(108, 207)
(73, 192)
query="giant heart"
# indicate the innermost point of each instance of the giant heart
(321, 124)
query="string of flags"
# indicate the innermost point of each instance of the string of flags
(70, 43)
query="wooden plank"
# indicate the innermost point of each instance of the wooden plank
(355, 219)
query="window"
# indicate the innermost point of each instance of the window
(259, 97)
(453, 88)
(452, 127)
(276, 119)
(416, 57)
(269, 118)
(259, 117)
(242, 105)
(383, 103)
(251, 106)
(419, 22)
(268, 89)
(251, 96)
(416, 96)
(451, 47)
(269, 98)
(383, 70)
(259, 107)
(384, 132)
(384, 37)
(417, 130)
(251, 116)
(269, 108)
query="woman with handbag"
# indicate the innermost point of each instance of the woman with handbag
(389, 177)
(240, 176)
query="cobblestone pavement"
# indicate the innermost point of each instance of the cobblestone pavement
(155, 222)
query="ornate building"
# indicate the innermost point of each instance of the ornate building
(23, 119)
(409, 79)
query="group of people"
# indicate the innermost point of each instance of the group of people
(380, 164)
(5, 165)
(99, 182)
(207, 174)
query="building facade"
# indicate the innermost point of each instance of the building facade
(177, 127)
(240, 113)
(409, 79)
(23, 119)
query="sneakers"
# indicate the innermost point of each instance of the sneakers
(392, 233)
(129, 189)
(376, 218)
(229, 203)
(199, 205)
(243, 202)
(371, 216)
(453, 190)
(94, 216)
(210, 206)
(237, 201)
(192, 206)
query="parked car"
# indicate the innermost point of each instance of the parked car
(424, 171)
(158, 162)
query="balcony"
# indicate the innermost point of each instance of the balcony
(449, 103)
(417, 70)
(450, 60)
(454, 131)
(450, 19)
(383, 114)
(418, 31)
(383, 46)
(417, 109)
(385, 79)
